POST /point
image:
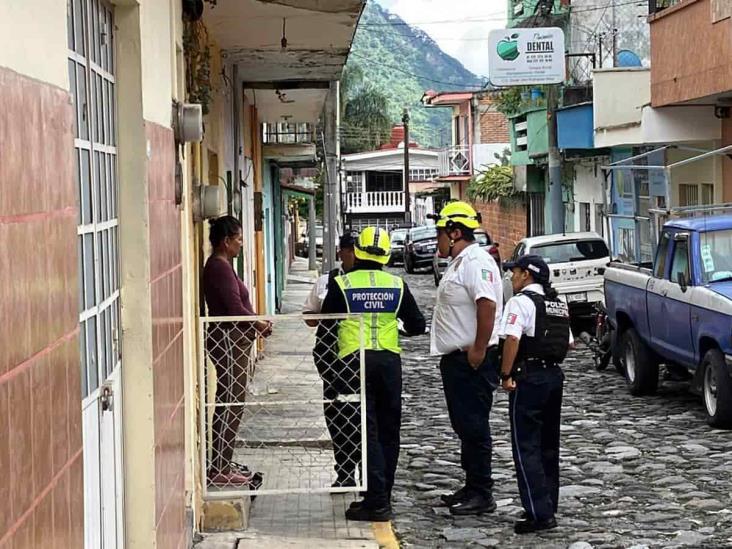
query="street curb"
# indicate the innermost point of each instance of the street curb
(385, 536)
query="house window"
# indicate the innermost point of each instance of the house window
(691, 194)
(707, 193)
(383, 181)
(422, 174)
(584, 217)
(353, 182)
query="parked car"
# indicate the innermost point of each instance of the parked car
(397, 246)
(318, 240)
(678, 311)
(577, 262)
(439, 264)
(420, 245)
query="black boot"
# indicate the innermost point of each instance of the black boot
(476, 504)
(367, 513)
(455, 497)
(529, 526)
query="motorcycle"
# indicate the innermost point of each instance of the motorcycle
(601, 342)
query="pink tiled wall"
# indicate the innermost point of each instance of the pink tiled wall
(167, 311)
(41, 470)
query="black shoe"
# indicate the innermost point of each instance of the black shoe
(529, 526)
(455, 497)
(356, 504)
(369, 514)
(476, 504)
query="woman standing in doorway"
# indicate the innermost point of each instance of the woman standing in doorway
(229, 347)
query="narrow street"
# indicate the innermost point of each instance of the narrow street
(635, 471)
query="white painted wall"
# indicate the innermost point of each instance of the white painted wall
(680, 124)
(157, 56)
(484, 154)
(33, 39)
(619, 98)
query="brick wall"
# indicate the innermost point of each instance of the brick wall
(167, 322)
(493, 124)
(41, 484)
(505, 224)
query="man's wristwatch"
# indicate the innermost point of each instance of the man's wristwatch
(506, 377)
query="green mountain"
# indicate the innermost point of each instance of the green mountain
(402, 62)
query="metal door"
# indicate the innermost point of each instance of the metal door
(91, 65)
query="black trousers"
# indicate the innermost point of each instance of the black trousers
(383, 424)
(535, 410)
(343, 419)
(469, 397)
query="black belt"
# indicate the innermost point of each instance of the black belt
(538, 363)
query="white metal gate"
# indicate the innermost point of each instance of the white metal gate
(280, 414)
(91, 64)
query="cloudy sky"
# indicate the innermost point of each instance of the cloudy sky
(460, 27)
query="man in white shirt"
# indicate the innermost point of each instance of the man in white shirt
(340, 417)
(464, 322)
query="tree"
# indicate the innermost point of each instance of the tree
(365, 123)
(495, 182)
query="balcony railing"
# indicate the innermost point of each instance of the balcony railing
(455, 161)
(375, 202)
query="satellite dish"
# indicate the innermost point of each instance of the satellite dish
(627, 58)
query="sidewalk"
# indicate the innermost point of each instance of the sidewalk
(288, 435)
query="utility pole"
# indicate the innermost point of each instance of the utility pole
(330, 202)
(407, 205)
(556, 203)
(311, 232)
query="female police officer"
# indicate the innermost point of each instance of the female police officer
(535, 328)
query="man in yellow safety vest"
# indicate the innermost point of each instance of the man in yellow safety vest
(383, 299)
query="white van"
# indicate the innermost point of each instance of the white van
(577, 263)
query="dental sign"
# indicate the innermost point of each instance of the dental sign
(526, 56)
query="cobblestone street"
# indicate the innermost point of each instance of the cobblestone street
(635, 471)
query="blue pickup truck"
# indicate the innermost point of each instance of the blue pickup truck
(678, 311)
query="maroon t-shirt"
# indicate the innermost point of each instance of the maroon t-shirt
(225, 293)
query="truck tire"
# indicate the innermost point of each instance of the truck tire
(717, 390)
(641, 367)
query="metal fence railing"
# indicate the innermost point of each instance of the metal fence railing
(279, 412)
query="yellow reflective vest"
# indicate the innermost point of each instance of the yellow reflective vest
(378, 296)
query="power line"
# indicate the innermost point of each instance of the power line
(584, 9)
(422, 77)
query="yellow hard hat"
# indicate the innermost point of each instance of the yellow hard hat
(458, 212)
(373, 245)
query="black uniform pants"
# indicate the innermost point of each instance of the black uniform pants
(469, 397)
(535, 409)
(343, 418)
(383, 423)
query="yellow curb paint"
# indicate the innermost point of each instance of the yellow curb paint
(384, 534)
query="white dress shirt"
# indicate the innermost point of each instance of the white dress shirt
(470, 276)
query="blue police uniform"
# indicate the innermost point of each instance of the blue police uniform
(541, 323)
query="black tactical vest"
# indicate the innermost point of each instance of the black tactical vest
(551, 331)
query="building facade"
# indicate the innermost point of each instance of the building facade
(373, 186)
(105, 180)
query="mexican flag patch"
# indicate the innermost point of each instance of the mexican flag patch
(487, 275)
